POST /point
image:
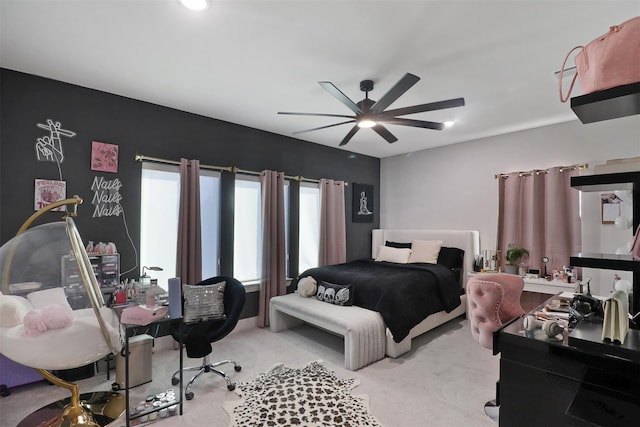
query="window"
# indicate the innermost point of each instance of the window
(160, 198)
(247, 229)
(309, 245)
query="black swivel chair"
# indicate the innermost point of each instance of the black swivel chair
(198, 337)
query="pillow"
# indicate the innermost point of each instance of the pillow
(307, 286)
(335, 294)
(40, 299)
(52, 316)
(12, 310)
(451, 258)
(398, 245)
(397, 255)
(203, 302)
(425, 251)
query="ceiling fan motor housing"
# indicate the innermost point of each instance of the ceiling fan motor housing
(366, 104)
(366, 85)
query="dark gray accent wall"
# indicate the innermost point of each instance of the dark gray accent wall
(152, 130)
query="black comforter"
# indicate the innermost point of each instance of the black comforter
(403, 294)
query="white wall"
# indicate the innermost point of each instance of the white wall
(454, 187)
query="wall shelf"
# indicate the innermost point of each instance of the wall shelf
(606, 182)
(605, 261)
(620, 101)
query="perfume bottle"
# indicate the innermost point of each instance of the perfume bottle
(522, 269)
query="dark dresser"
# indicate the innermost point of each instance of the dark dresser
(575, 380)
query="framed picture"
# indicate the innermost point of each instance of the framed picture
(362, 203)
(47, 191)
(104, 157)
(611, 207)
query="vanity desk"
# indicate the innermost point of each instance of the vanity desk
(544, 286)
(574, 379)
(156, 409)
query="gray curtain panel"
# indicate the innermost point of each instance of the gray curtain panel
(539, 211)
(189, 256)
(333, 236)
(273, 282)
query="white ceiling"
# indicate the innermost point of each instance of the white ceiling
(243, 61)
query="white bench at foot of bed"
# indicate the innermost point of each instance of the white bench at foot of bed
(363, 330)
(366, 339)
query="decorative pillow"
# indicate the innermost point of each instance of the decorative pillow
(451, 258)
(307, 286)
(203, 302)
(40, 299)
(425, 251)
(335, 294)
(52, 316)
(397, 255)
(57, 316)
(398, 245)
(34, 322)
(12, 310)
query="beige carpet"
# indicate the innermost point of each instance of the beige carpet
(443, 381)
(309, 396)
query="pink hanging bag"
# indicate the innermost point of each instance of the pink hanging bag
(611, 60)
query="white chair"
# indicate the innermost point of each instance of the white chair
(38, 326)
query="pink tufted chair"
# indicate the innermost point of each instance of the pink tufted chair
(492, 299)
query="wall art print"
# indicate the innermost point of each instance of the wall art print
(104, 157)
(106, 197)
(362, 203)
(48, 191)
(49, 148)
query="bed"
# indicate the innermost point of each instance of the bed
(405, 315)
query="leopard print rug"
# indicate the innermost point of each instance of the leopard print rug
(311, 396)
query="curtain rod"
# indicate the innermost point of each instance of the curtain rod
(232, 169)
(539, 171)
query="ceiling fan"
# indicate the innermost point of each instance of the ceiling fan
(371, 114)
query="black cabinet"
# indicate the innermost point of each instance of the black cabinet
(604, 105)
(575, 380)
(604, 182)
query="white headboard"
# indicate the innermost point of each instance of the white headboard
(467, 240)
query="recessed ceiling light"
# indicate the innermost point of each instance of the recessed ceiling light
(195, 4)
(449, 123)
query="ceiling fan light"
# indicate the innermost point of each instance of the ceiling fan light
(196, 5)
(366, 123)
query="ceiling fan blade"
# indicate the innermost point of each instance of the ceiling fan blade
(395, 92)
(330, 87)
(350, 135)
(384, 132)
(315, 114)
(323, 127)
(440, 105)
(414, 123)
